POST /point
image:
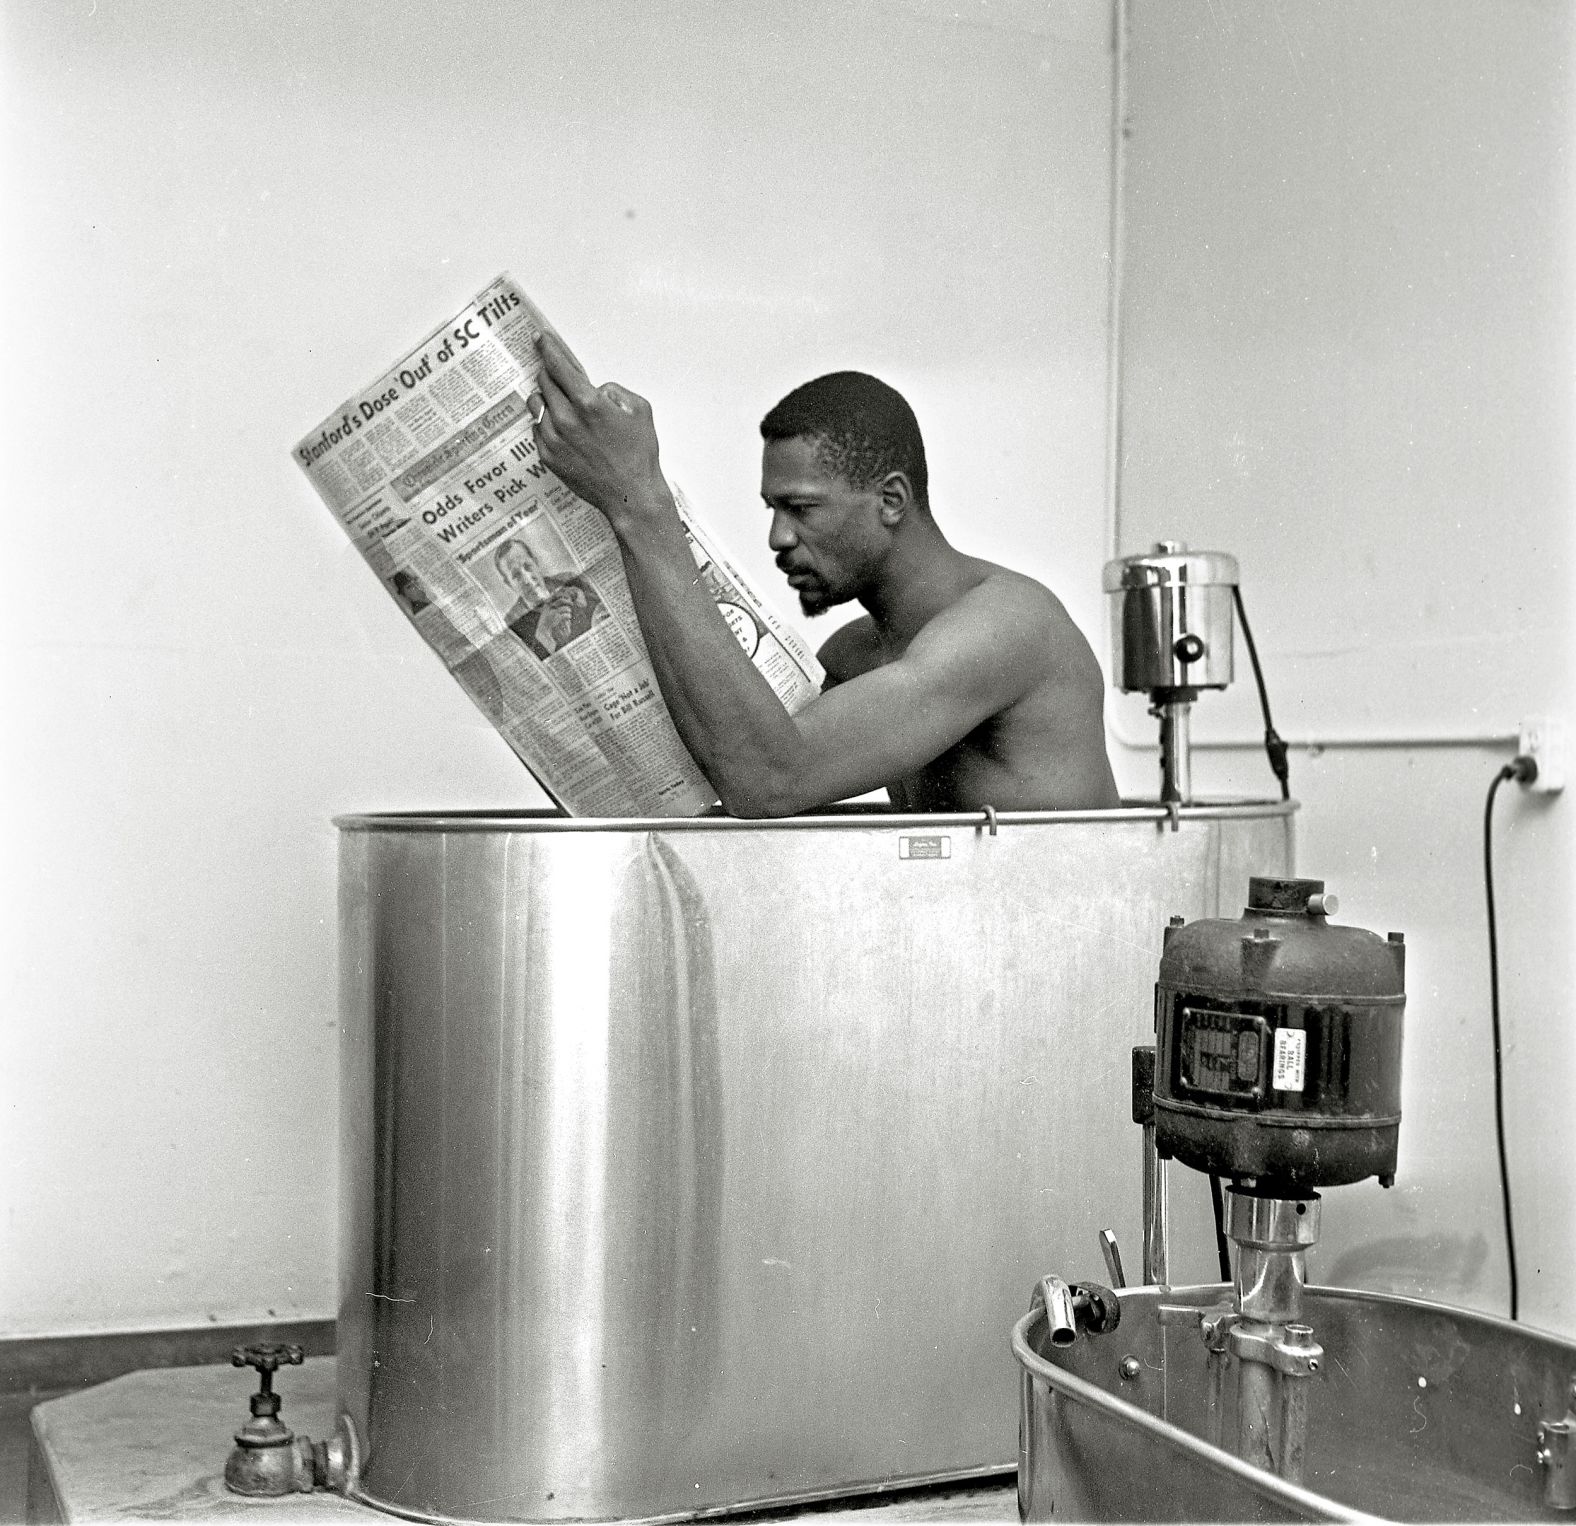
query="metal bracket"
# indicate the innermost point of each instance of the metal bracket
(1216, 1329)
(1293, 1352)
(1205, 1316)
(1557, 1454)
(1215, 1324)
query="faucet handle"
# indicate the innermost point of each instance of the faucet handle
(1099, 1310)
(267, 1357)
(1113, 1258)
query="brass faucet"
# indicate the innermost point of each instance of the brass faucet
(269, 1459)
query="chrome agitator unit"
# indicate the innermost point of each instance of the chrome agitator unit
(1277, 1067)
(1171, 637)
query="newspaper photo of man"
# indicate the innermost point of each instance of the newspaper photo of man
(549, 611)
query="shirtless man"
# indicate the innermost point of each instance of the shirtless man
(963, 685)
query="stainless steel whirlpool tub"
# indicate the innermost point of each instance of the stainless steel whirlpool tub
(1424, 1412)
(690, 1165)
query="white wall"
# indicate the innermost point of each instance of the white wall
(222, 220)
(1349, 356)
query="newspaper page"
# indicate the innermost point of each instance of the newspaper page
(513, 580)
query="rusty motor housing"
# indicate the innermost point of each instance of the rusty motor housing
(1278, 1044)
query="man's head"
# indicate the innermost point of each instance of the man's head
(843, 467)
(863, 429)
(517, 567)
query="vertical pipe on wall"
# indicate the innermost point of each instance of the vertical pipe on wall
(1113, 398)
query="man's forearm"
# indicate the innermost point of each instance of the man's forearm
(734, 725)
(601, 442)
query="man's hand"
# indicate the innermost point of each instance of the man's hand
(558, 618)
(599, 441)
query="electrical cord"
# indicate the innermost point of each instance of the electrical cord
(1222, 1253)
(1274, 746)
(1524, 770)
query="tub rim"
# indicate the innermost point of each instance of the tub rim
(1081, 1390)
(546, 819)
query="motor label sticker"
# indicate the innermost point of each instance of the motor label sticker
(1291, 1047)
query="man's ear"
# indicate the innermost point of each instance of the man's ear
(897, 498)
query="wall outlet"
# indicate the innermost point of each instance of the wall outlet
(1543, 740)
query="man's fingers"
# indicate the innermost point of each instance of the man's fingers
(566, 389)
(566, 352)
(555, 405)
(548, 438)
(620, 397)
(560, 366)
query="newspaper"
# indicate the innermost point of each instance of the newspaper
(513, 580)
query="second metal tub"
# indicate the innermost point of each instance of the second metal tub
(1423, 1413)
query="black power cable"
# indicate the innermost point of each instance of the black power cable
(1222, 1254)
(1274, 747)
(1525, 770)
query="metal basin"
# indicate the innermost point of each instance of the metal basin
(1424, 1413)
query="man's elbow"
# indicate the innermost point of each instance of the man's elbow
(758, 805)
(765, 799)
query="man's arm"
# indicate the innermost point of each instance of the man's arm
(970, 662)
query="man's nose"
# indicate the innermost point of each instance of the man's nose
(782, 537)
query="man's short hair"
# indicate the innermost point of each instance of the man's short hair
(513, 545)
(862, 428)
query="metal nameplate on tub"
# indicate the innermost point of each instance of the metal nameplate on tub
(936, 845)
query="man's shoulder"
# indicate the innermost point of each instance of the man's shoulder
(1011, 601)
(850, 650)
(1019, 622)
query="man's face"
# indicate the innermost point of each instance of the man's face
(518, 570)
(824, 531)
